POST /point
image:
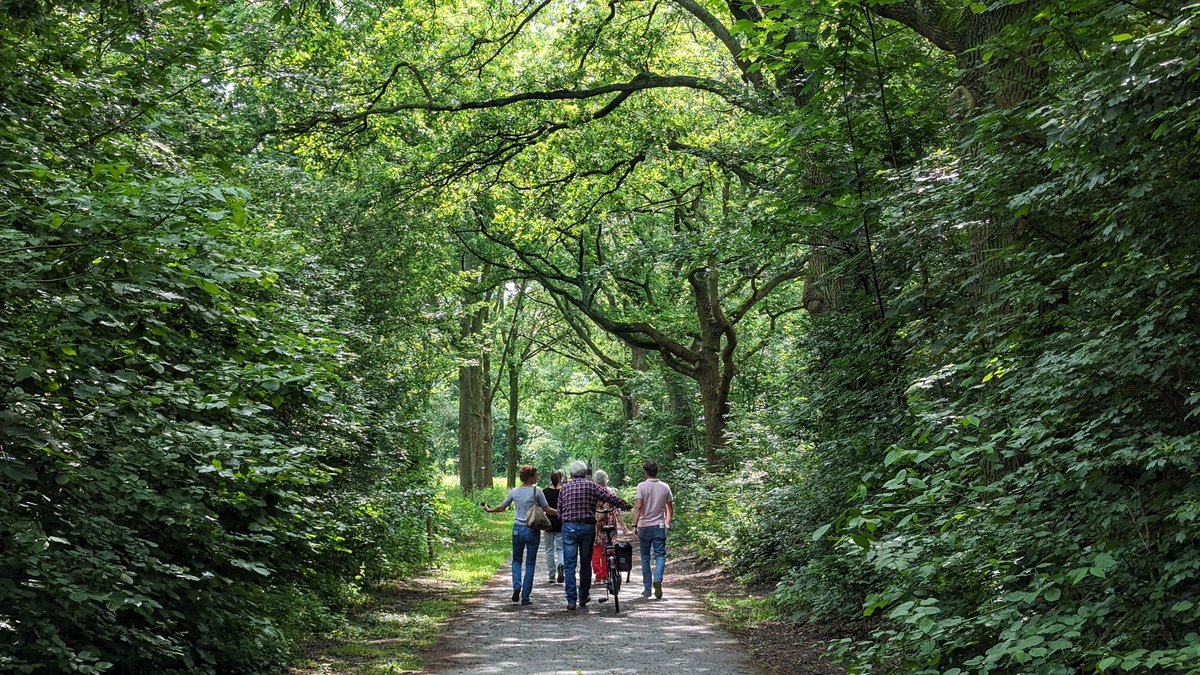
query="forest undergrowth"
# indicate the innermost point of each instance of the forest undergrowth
(902, 296)
(390, 625)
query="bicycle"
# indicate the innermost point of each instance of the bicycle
(616, 560)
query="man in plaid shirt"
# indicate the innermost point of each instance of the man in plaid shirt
(577, 509)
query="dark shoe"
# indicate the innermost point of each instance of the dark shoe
(560, 574)
(646, 593)
(584, 602)
(571, 606)
(526, 602)
(516, 595)
(658, 590)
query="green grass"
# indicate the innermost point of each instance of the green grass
(742, 613)
(396, 622)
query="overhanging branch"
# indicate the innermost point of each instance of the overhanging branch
(722, 33)
(792, 271)
(642, 82)
(927, 18)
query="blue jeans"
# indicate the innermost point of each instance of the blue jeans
(578, 540)
(524, 539)
(553, 542)
(657, 537)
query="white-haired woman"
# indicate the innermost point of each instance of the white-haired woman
(610, 519)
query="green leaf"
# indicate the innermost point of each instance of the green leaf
(1122, 37)
(816, 536)
(251, 566)
(16, 471)
(743, 26)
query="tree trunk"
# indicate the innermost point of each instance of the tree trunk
(639, 363)
(474, 409)
(714, 399)
(679, 404)
(486, 445)
(824, 284)
(466, 457)
(513, 409)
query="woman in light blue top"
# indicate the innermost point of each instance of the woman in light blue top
(524, 539)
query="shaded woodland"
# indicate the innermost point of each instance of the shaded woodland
(903, 296)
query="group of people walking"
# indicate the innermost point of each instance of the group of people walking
(571, 542)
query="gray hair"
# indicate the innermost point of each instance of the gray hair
(577, 469)
(601, 477)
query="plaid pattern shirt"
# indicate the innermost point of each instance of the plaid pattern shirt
(577, 501)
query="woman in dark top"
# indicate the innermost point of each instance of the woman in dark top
(552, 539)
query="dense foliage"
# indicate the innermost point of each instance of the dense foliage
(902, 295)
(1001, 450)
(204, 438)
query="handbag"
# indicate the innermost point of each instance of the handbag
(536, 518)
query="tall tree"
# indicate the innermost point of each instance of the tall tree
(475, 390)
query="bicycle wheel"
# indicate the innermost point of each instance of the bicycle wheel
(614, 576)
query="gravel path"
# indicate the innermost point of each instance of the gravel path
(672, 635)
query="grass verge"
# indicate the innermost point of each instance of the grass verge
(742, 613)
(777, 643)
(394, 623)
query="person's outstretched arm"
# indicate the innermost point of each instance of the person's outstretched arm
(609, 497)
(503, 507)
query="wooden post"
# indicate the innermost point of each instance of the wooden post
(429, 537)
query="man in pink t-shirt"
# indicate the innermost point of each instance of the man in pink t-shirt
(652, 517)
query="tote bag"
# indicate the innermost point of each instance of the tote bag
(537, 518)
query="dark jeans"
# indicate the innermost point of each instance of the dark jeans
(578, 539)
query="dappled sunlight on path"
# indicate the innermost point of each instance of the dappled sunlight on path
(672, 635)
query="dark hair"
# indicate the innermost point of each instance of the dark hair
(528, 471)
(556, 477)
(651, 468)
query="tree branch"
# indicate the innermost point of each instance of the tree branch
(602, 392)
(790, 272)
(719, 30)
(927, 18)
(642, 82)
(732, 166)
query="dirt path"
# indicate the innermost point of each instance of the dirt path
(672, 635)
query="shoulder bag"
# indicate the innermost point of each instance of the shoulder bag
(536, 518)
